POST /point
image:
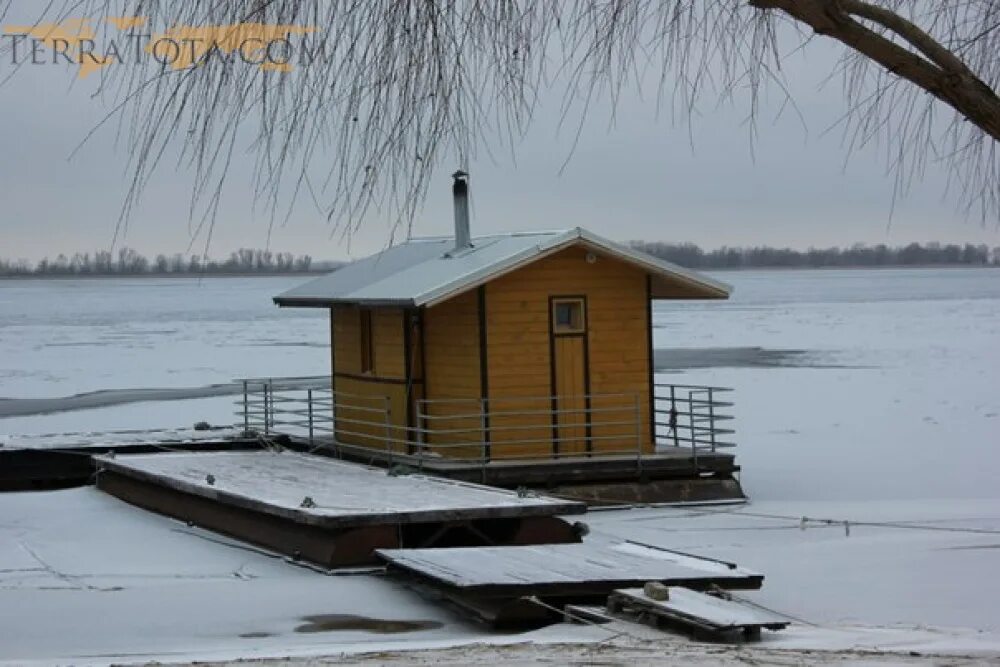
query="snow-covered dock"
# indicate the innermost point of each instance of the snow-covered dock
(501, 584)
(327, 511)
(63, 460)
(705, 615)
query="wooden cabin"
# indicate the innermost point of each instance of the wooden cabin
(525, 345)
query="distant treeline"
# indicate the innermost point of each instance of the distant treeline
(914, 254)
(128, 262)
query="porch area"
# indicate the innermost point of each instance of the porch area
(588, 447)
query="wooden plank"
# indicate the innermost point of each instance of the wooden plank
(561, 569)
(451, 348)
(671, 464)
(346, 343)
(706, 611)
(342, 494)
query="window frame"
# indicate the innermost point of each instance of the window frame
(577, 328)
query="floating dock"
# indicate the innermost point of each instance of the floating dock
(706, 616)
(62, 462)
(331, 512)
(521, 585)
(674, 474)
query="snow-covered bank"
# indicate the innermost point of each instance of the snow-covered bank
(87, 579)
(652, 652)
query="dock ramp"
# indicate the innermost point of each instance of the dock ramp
(503, 585)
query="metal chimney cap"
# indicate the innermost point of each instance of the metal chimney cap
(460, 174)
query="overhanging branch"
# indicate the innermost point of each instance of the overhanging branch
(945, 77)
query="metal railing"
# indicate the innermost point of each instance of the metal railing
(690, 414)
(488, 430)
(532, 427)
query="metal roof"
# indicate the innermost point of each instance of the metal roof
(423, 272)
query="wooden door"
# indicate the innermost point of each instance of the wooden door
(570, 390)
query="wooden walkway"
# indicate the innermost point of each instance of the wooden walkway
(326, 511)
(59, 465)
(497, 583)
(672, 474)
(706, 616)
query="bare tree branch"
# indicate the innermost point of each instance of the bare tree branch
(407, 86)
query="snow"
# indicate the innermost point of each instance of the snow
(895, 397)
(87, 578)
(921, 565)
(492, 567)
(712, 610)
(886, 418)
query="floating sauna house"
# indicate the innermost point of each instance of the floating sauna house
(533, 345)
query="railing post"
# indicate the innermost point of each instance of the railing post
(691, 422)
(673, 414)
(483, 425)
(711, 418)
(309, 400)
(419, 421)
(388, 429)
(267, 407)
(638, 434)
(246, 410)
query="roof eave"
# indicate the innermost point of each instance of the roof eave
(710, 289)
(717, 289)
(316, 302)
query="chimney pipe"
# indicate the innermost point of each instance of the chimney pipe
(460, 191)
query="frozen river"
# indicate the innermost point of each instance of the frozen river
(867, 398)
(849, 384)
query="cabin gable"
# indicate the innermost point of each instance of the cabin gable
(551, 358)
(526, 358)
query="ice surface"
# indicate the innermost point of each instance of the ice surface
(931, 563)
(891, 423)
(65, 337)
(85, 578)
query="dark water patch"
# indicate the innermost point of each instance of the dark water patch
(738, 357)
(26, 407)
(340, 622)
(275, 343)
(256, 635)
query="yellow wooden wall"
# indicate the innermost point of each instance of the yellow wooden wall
(518, 351)
(357, 393)
(519, 371)
(451, 355)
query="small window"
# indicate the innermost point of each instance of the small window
(568, 316)
(367, 344)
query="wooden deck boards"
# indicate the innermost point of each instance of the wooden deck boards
(698, 612)
(60, 465)
(503, 586)
(330, 512)
(488, 571)
(340, 494)
(669, 463)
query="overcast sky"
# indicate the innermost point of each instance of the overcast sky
(640, 179)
